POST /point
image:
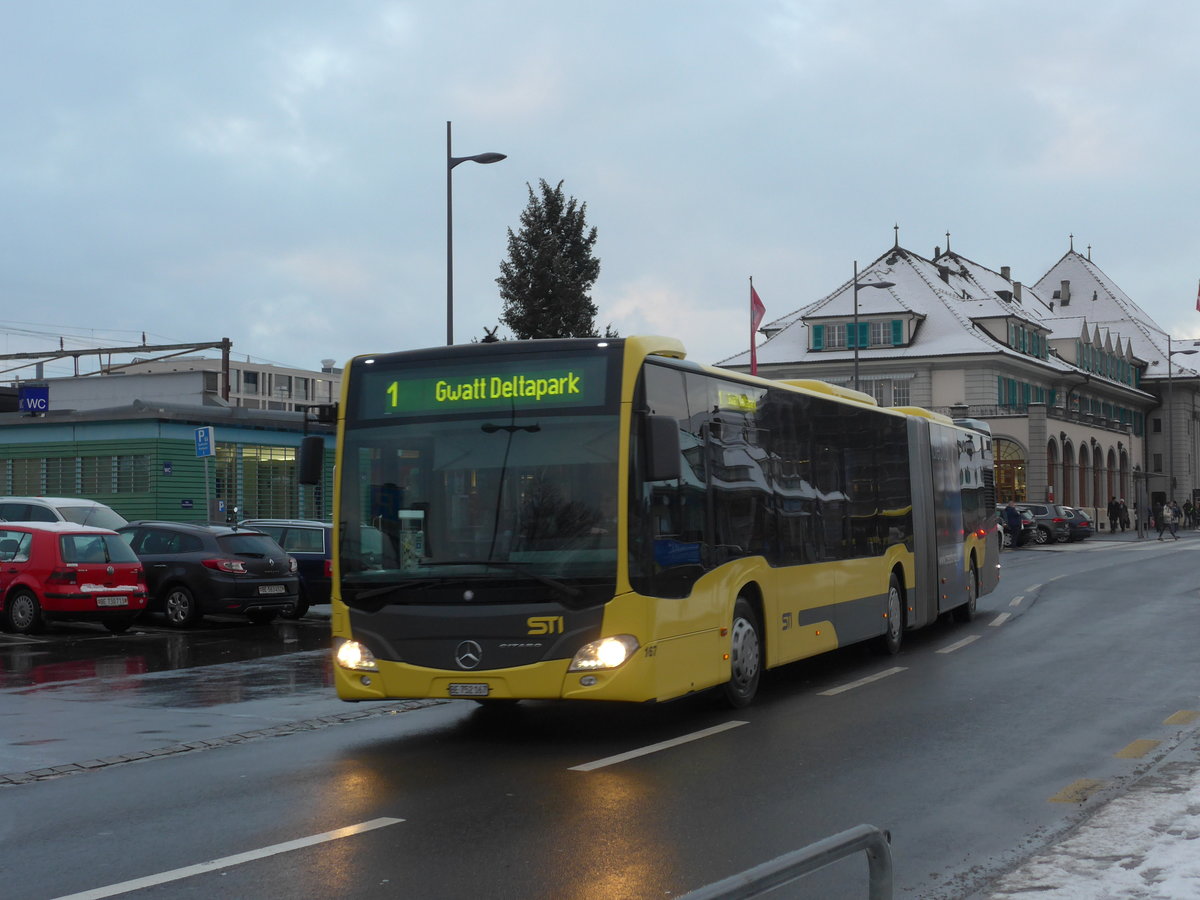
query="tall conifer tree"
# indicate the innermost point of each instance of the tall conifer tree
(546, 279)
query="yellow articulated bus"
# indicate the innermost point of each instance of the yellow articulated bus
(593, 519)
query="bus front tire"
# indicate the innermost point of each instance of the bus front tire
(889, 642)
(745, 656)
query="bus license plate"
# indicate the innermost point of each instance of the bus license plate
(112, 601)
(469, 690)
(272, 589)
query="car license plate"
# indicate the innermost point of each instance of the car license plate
(112, 601)
(475, 689)
(272, 589)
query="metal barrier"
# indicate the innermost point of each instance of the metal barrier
(779, 871)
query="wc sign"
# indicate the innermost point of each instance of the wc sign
(34, 399)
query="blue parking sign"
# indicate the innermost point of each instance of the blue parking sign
(206, 443)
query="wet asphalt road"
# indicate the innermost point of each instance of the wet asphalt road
(956, 746)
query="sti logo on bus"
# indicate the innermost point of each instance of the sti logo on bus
(545, 624)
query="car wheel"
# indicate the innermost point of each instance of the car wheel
(23, 613)
(180, 606)
(118, 626)
(889, 642)
(1006, 540)
(966, 612)
(745, 656)
(262, 616)
(1041, 535)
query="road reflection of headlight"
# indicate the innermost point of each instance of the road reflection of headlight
(606, 653)
(353, 655)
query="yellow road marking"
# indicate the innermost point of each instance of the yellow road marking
(1078, 791)
(1183, 717)
(1137, 749)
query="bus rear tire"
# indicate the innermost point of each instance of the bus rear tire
(745, 656)
(889, 642)
(966, 612)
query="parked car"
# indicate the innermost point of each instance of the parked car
(311, 544)
(60, 570)
(60, 509)
(1051, 523)
(194, 570)
(1080, 523)
(1028, 528)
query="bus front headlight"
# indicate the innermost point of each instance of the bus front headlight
(355, 656)
(606, 653)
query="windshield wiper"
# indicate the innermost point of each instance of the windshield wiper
(565, 590)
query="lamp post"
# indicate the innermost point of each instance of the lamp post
(871, 284)
(451, 162)
(1171, 417)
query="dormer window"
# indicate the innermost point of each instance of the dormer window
(841, 335)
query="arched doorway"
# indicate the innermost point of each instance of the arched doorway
(1084, 499)
(1111, 490)
(1099, 498)
(1068, 474)
(1010, 470)
(1054, 480)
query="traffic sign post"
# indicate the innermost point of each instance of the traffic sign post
(206, 446)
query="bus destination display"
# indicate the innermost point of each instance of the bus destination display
(521, 385)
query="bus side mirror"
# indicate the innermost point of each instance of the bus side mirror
(311, 463)
(660, 461)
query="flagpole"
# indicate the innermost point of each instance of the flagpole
(753, 349)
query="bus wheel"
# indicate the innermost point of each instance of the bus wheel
(888, 643)
(966, 612)
(745, 656)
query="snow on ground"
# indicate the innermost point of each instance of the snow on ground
(1144, 845)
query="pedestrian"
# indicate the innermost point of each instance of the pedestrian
(1124, 513)
(1162, 519)
(1012, 524)
(1189, 514)
(1114, 513)
(1173, 521)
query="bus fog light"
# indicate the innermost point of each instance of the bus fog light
(606, 653)
(587, 680)
(353, 655)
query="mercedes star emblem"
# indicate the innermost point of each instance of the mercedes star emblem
(468, 655)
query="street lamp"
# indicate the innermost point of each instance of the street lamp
(1171, 418)
(451, 162)
(871, 284)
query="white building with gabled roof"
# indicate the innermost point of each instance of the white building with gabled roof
(1070, 374)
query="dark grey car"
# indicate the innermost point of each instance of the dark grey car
(1051, 522)
(194, 570)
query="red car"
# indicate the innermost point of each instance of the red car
(60, 570)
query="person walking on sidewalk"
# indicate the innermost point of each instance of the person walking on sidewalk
(1124, 513)
(1173, 522)
(1114, 513)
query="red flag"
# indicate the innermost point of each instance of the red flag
(757, 311)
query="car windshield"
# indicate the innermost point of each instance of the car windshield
(99, 516)
(508, 497)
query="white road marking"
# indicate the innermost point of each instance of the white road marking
(227, 861)
(654, 748)
(1016, 601)
(960, 644)
(1000, 619)
(1055, 578)
(862, 681)
(1032, 588)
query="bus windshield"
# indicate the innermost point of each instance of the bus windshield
(508, 497)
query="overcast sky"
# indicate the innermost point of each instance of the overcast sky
(274, 172)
